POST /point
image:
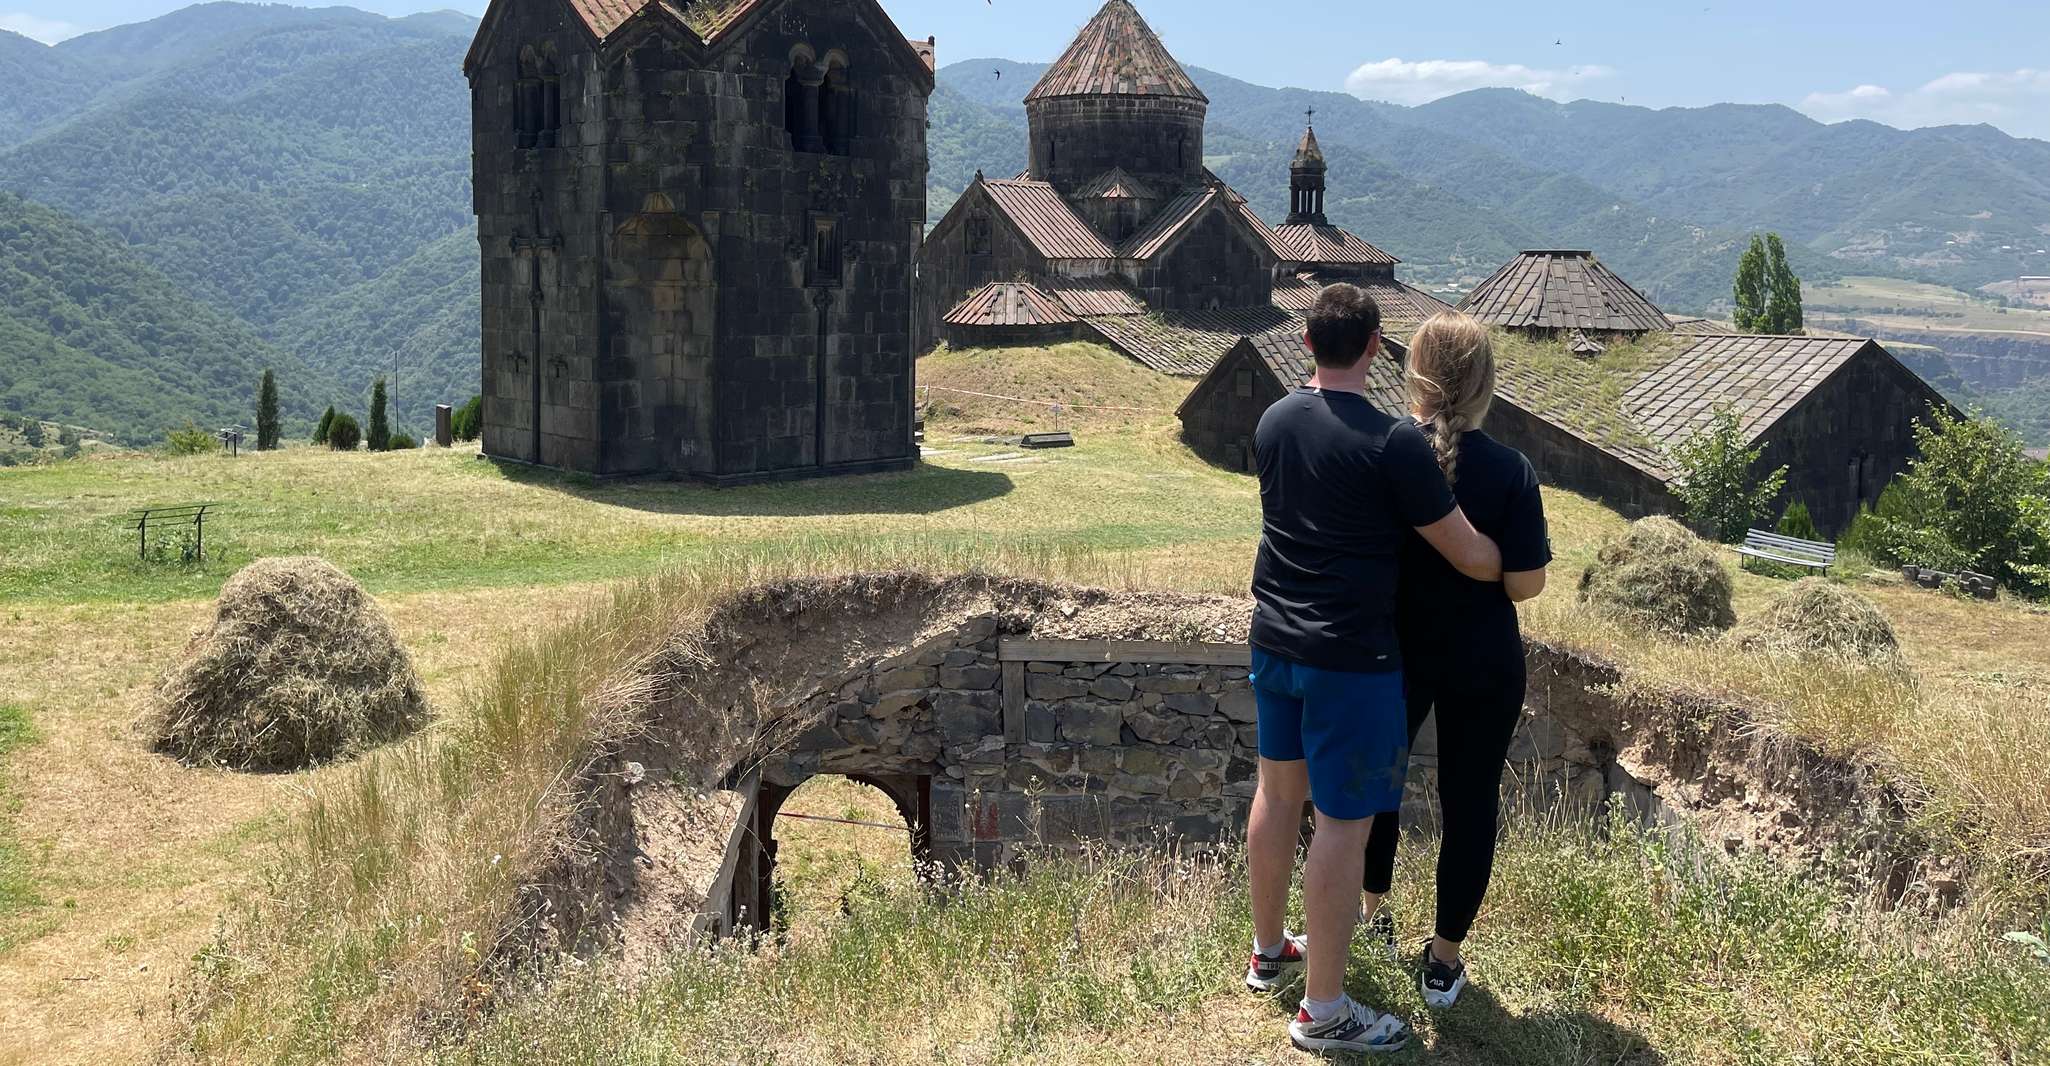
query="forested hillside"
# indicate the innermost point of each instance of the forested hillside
(301, 175)
(92, 336)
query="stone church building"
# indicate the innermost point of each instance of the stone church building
(698, 225)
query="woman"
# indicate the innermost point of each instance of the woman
(1461, 649)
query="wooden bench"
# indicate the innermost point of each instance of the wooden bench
(1792, 551)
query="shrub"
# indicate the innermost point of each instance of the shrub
(468, 421)
(32, 433)
(299, 667)
(191, 440)
(401, 442)
(1660, 575)
(1798, 523)
(326, 420)
(67, 437)
(1972, 499)
(1817, 616)
(1722, 497)
(343, 434)
(379, 438)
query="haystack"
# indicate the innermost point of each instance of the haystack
(1815, 616)
(1661, 576)
(299, 667)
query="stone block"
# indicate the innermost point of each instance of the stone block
(1041, 725)
(1156, 728)
(960, 657)
(1215, 736)
(1239, 705)
(1097, 760)
(960, 722)
(1043, 668)
(1116, 689)
(906, 677)
(1091, 723)
(975, 677)
(1144, 760)
(1166, 683)
(892, 703)
(1191, 703)
(1054, 687)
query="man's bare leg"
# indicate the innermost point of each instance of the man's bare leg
(1272, 828)
(1331, 879)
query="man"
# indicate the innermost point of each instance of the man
(1339, 483)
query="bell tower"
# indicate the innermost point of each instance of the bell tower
(1306, 181)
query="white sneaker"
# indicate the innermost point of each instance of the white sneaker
(1355, 1028)
(1265, 973)
(1441, 984)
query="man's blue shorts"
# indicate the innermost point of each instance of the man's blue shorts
(1352, 730)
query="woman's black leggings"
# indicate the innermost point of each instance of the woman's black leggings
(1478, 707)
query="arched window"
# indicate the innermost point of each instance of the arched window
(802, 103)
(836, 111)
(537, 99)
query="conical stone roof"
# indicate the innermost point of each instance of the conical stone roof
(1116, 54)
(1308, 155)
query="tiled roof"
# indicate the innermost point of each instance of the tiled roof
(1167, 223)
(1281, 249)
(1046, 220)
(927, 50)
(1308, 153)
(1759, 379)
(1330, 246)
(1105, 295)
(1289, 359)
(708, 19)
(1008, 303)
(1580, 396)
(604, 16)
(1116, 54)
(1700, 327)
(1187, 343)
(1562, 290)
(1115, 184)
(1398, 302)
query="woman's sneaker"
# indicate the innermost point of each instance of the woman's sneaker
(1269, 972)
(1441, 983)
(1381, 934)
(1356, 1028)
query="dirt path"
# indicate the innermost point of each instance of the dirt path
(133, 856)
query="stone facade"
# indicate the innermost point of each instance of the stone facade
(1221, 413)
(1566, 461)
(1845, 443)
(1215, 264)
(698, 252)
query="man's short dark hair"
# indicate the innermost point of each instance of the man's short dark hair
(1343, 322)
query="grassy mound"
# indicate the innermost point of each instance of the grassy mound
(1662, 576)
(299, 667)
(1097, 387)
(1817, 616)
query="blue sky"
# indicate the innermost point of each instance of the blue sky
(1904, 63)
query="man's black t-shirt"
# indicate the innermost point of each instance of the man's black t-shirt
(1341, 484)
(1447, 617)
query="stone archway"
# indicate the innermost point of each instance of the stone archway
(754, 904)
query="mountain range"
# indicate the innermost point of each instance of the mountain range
(289, 187)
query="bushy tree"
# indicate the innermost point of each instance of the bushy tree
(32, 432)
(468, 421)
(267, 428)
(1722, 496)
(327, 420)
(1751, 291)
(401, 442)
(343, 434)
(1971, 499)
(67, 437)
(380, 425)
(190, 440)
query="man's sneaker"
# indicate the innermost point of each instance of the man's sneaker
(1356, 1028)
(1441, 984)
(1381, 934)
(1268, 972)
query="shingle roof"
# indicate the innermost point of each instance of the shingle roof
(1581, 396)
(1046, 220)
(1700, 327)
(1116, 54)
(1115, 184)
(1562, 290)
(1289, 359)
(1281, 249)
(927, 50)
(1162, 228)
(1106, 295)
(1008, 303)
(1330, 246)
(1759, 379)
(1186, 343)
(1398, 302)
(604, 16)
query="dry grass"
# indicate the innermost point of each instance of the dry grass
(298, 667)
(1660, 576)
(1085, 378)
(1816, 616)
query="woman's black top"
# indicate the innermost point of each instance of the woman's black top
(1449, 620)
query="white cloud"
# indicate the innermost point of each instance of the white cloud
(48, 31)
(1404, 82)
(2017, 101)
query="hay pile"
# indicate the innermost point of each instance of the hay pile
(299, 667)
(1661, 576)
(1815, 616)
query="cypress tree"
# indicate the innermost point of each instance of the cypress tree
(326, 421)
(1783, 289)
(267, 430)
(379, 437)
(1751, 288)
